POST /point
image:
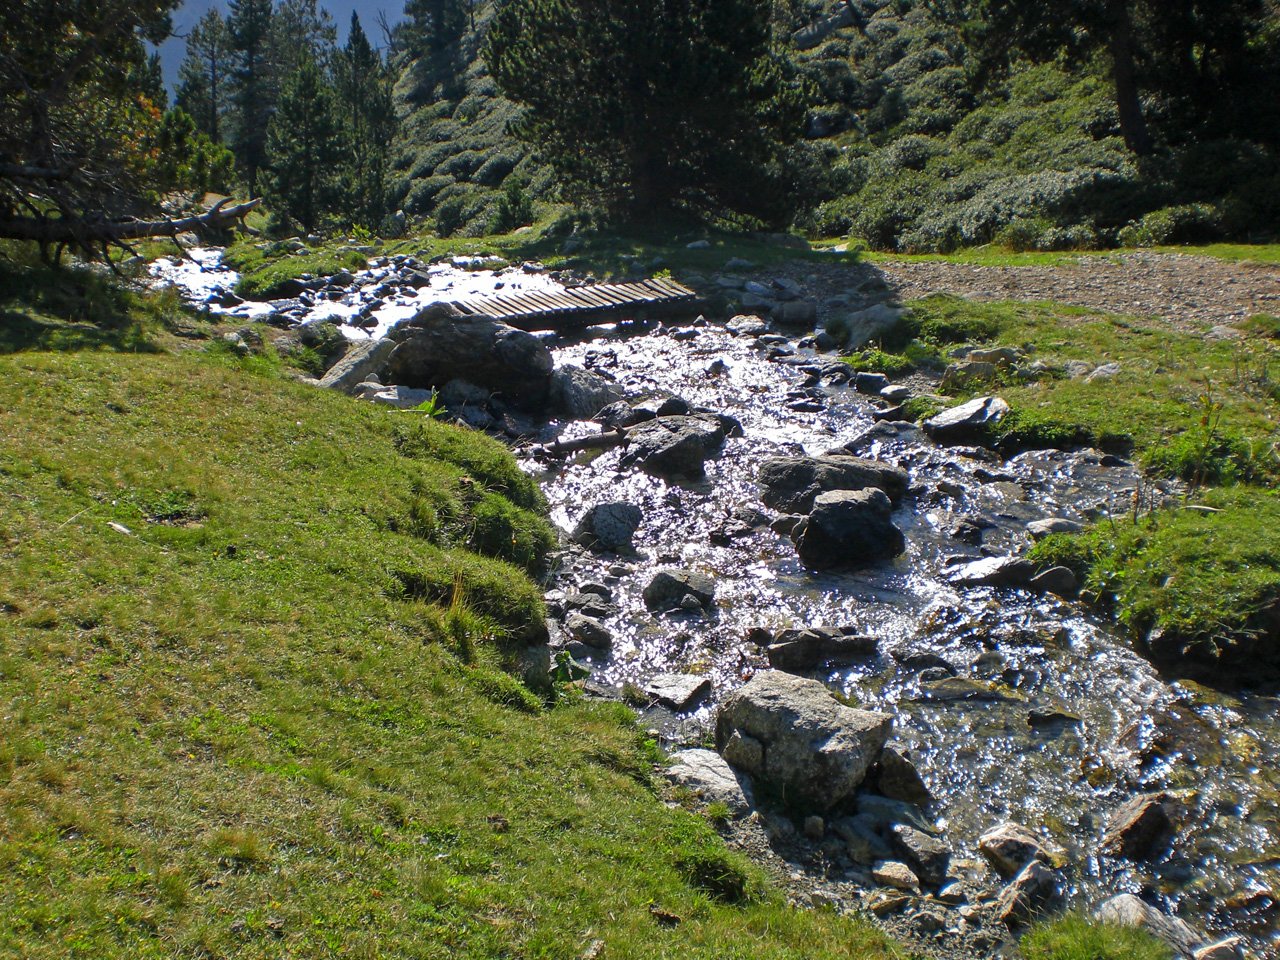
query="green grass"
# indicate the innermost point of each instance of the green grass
(1185, 404)
(263, 272)
(1076, 937)
(1192, 573)
(252, 701)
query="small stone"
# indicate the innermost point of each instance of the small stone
(1010, 847)
(882, 904)
(928, 856)
(814, 827)
(669, 588)
(1060, 581)
(1137, 826)
(1232, 948)
(1039, 529)
(899, 779)
(587, 630)
(1028, 894)
(892, 873)
(679, 691)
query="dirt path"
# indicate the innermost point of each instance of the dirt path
(1187, 292)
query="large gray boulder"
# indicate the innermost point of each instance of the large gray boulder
(439, 345)
(674, 446)
(358, 364)
(968, 422)
(792, 735)
(580, 394)
(848, 529)
(609, 526)
(791, 484)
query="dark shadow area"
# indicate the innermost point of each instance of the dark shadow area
(72, 308)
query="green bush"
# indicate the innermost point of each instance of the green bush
(1189, 223)
(875, 360)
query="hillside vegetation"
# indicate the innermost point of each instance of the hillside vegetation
(902, 149)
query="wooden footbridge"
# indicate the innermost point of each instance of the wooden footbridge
(584, 306)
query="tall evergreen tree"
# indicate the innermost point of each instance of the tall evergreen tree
(305, 146)
(202, 77)
(649, 107)
(253, 84)
(435, 24)
(363, 86)
(302, 30)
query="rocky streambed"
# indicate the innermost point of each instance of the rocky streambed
(738, 515)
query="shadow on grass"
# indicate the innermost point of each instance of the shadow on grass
(72, 308)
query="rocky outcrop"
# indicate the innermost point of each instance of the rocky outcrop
(439, 345)
(848, 529)
(810, 647)
(708, 776)
(1126, 910)
(791, 484)
(358, 364)
(792, 735)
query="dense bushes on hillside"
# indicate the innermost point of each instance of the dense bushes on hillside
(903, 152)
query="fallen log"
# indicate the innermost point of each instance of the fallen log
(87, 233)
(600, 441)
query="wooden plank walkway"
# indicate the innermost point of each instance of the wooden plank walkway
(584, 306)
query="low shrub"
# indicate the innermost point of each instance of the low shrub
(1189, 223)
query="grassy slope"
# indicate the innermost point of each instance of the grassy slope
(230, 731)
(1166, 383)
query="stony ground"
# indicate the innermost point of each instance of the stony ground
(1185, 291)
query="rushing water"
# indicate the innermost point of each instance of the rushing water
(985, 762)
(1118, 728)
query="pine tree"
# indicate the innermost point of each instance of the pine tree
(363, 87)
(203, 75)
(305, 146)
(649, 107)
(435, 24)
(302, 30)
(253, 84)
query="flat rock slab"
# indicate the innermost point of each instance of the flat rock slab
(679, 691)
(967, 422)
(710, 778)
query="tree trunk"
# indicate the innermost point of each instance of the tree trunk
(88, 233)
(1133, 126)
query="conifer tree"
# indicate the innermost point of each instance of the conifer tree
(648, 107)
(300, 30)
(435, 24)
(305, 146)
(363, 87)
(253, 84)
(202, 77)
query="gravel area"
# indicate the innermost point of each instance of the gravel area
(1187, 292)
